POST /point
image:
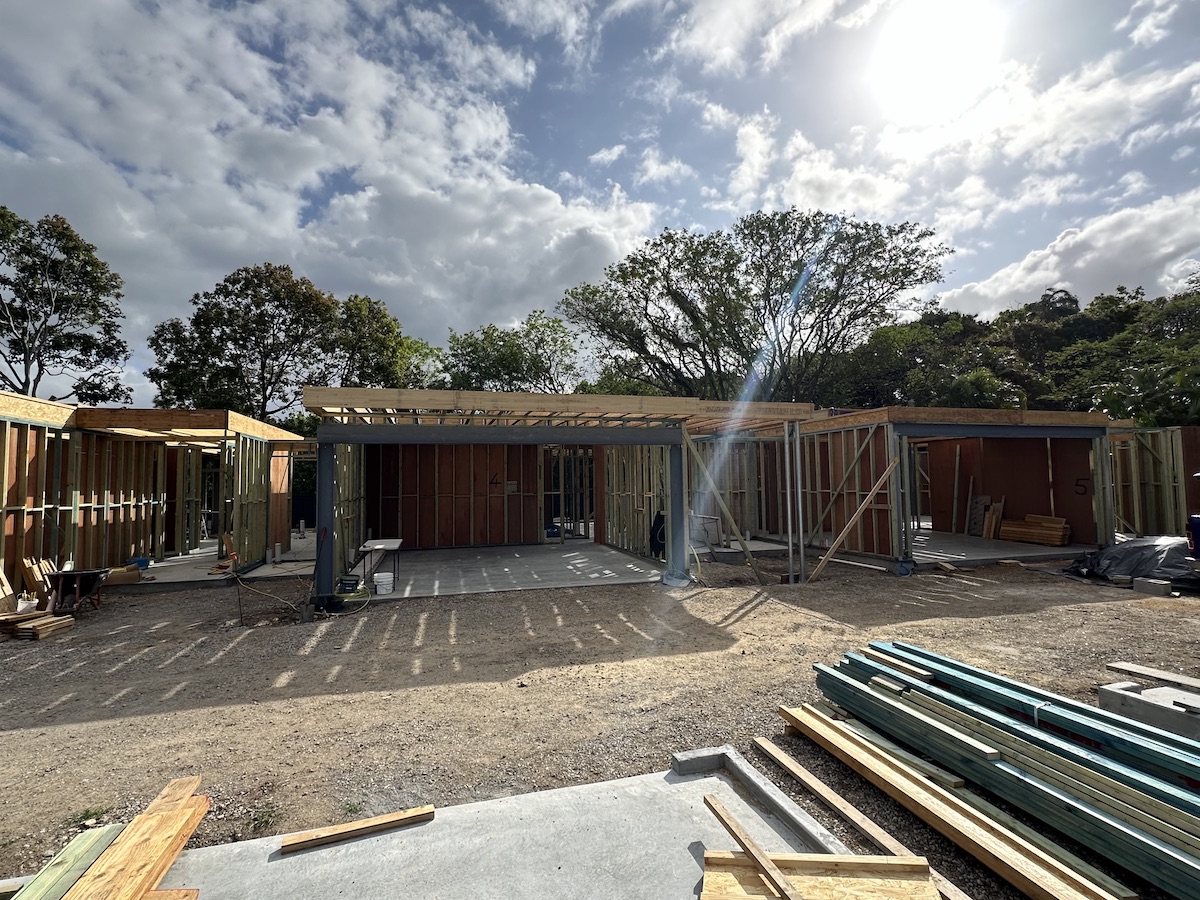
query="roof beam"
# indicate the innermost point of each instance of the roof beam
(496, 434)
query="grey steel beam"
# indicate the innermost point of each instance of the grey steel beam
(498, 434)
(326, 492)
(946, 429)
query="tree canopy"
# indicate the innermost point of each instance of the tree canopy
(60, 314)
(250, 344)
(537, 355)
(772, 302)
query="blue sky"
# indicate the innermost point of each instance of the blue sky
(467, 162)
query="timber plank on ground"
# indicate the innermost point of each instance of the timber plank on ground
(818, 876)
(137, 860)
(56, 878)
(1016, 860)
(318, 836)
(852, 814)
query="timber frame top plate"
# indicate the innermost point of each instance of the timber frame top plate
(191, 427)
(371, 406)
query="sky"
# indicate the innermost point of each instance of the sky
(467, 162)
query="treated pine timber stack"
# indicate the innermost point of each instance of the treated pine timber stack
(1049, 530)
(1125, 790)
(44, 627)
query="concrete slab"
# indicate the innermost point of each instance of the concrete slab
(932, 547)
(441, 573)
(1154, 705)
(640, 837)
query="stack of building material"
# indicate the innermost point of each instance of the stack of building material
(42, 627)
(731, 875)
(1049, 530)
(125, 861)
(9, 621)
(1125, 789)
(992, 519)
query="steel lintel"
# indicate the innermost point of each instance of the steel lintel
(947, 429)
(498, 434)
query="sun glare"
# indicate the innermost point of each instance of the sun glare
(935, 58)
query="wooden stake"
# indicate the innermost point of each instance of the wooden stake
(318, 836)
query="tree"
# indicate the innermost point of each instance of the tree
(374, 351)
(762, 311)
(250, 345)
(538, 354)
(59, 313)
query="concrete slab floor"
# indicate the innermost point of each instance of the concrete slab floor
(640, 837)
(482, 570)
(961, 549)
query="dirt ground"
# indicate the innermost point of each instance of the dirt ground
(453, 700)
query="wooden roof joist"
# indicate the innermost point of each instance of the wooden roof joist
(496, 409)
(184, 425)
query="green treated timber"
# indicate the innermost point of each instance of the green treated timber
(1124, 770)
(1158, 862)
(1148, 814)
(907, 651)
(58, 876)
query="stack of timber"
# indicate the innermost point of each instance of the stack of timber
(1049, 530)
(10, 621)
(992, 519)
(125, 862)
(1126, 790)
(818, 876)
(42, 627)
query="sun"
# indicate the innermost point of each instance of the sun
(934, 58)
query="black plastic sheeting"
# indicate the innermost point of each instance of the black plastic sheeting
(1164, 557)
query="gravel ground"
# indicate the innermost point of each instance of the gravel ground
(459, 699)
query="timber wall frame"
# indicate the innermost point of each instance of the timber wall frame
(1151, 475)
(636, 454)
(840, 458)
(100, 486)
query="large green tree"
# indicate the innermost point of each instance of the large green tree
(250, 344)
(60, 314)
(764, 309)
(538, 354)
(373, 350)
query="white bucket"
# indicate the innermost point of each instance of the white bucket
(384, 582)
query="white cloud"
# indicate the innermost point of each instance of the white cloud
(865, 14)
(818, 179)
(755, 153)
(187, 142)
(717, 117)
(656, 170)
(607, 156)
(1147, 21)
(1150, 245)
(1096, 105)
(722, 35)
